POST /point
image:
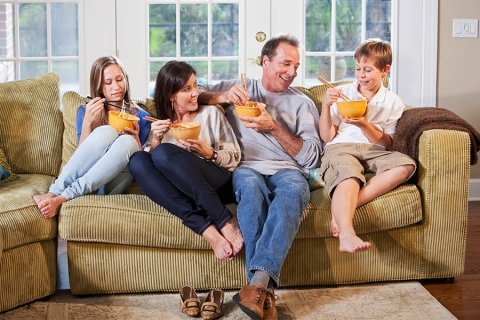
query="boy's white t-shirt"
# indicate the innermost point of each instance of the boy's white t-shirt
(384, 110)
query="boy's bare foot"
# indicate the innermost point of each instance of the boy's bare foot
(334, 227)
(220, 245)
(231, 232)
(40, 197)
(351, 243)
(50, 206)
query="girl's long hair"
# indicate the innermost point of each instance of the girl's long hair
(96, 80)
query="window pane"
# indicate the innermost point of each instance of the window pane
(68, 72)
(225, 29)
(314, 67)
(154, 69)
(193, 27)
(64, 29)
(379, 19)
(33, 30)
(224, 70)
(7, 71)
(318, 18)
(162, 30)
(202, 70)
(349, 24)
(30, 69)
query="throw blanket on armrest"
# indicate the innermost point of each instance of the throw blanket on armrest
(414, 121)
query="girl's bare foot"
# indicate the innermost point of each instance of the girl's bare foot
(351, 243)
(334, 227)
(231, 232)
(50, 206)
(220, 245)
(40, 197)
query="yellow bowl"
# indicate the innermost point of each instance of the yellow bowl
(185, 130)
(250, 110)
(352, 109)
(121, 121)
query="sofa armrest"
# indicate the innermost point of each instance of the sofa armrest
(443, 180)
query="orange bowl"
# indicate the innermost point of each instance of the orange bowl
(352, 109)
(121, 121)
(250, 110)
(185, 130)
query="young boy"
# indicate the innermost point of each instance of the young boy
(356, 146)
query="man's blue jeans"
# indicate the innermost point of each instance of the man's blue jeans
(270, 208)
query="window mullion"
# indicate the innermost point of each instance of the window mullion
(364, 21)
(333, 41)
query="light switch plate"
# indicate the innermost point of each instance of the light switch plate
(465, 28)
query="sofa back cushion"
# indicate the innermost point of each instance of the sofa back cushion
(31, 124)
(317, 92)
(71, 101)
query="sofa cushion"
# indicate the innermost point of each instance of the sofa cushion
(136, 220)
(31, 108)
(20, 220)
(71, 101)
(317, 92)
(6, 170)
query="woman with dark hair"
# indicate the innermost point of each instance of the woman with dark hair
(191, 179)
(100, 162)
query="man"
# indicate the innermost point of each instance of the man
(270, 183)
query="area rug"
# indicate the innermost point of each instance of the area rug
(393, 300)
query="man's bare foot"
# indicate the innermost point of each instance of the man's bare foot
(220, 245)
(334, 227)
(231, 232)
(40, 197)
(351, 243)
(50, 206)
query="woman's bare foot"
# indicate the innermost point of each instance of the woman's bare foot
(351, 243)
(40, 197)
(231, 232)
(220, 245)
(334, 227)
(50, 206)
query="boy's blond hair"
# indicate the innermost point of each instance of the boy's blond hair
(378, 50)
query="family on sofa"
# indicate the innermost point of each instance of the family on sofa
(274, 152)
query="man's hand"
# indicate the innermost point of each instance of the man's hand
(264, 123)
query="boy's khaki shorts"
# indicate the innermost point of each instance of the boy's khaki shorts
(352, 160)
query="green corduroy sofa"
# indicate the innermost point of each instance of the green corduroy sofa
(31, 129)
(127, 243)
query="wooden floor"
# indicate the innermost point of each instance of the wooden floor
(462, 295)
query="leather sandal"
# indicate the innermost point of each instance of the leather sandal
(189, 302)
(212, 308)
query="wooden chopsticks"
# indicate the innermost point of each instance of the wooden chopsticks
(151, 119)
(325, 82)
(106, 102)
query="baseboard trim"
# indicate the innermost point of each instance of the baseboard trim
(474, 190)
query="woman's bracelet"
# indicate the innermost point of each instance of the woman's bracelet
(214, 157)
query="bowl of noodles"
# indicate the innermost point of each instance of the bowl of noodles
(185, 130)
(121, 120)
(352, 109)
(250, 109)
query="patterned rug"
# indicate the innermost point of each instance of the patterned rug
(393, 300)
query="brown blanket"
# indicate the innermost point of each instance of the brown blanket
(414, 121)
